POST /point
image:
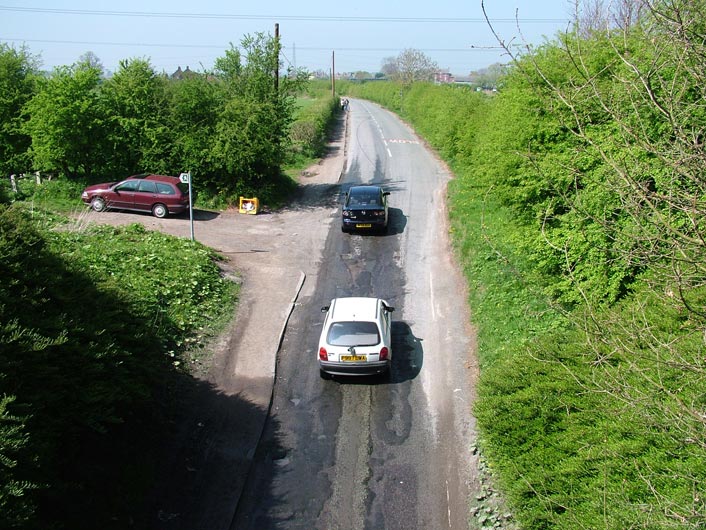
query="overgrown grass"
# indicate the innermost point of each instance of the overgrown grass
(509, 305)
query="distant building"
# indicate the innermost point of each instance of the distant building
(443, 78)
(180, 74)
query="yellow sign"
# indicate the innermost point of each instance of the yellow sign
(248, 206)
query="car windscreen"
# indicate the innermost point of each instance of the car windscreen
(353, 334)
(128, 185)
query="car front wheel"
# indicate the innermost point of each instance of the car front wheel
(159, 210)
(97, 204)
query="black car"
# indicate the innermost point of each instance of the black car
(365, 209)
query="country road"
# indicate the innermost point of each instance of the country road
(360, 452)
(263, 441)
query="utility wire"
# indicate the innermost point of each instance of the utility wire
(309, 18)
(218, 46)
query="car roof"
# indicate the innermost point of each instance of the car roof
(150, 176)
(364, 190)
(354, 308)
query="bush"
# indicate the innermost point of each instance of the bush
(83, 359)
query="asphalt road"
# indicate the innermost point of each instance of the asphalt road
(263, 442)
(361, 452)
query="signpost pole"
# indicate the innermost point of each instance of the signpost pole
(191, 208)
(186, 178)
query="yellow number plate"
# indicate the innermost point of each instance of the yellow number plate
(353, 357)
(364, 226)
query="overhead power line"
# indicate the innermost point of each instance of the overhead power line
(308, 18)
(104, 43)
(218, 46)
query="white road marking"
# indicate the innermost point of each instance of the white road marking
(448, 503)
(384, 141)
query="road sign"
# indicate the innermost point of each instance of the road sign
(185, 177)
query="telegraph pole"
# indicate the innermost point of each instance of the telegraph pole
(333, 74)
(277, 65)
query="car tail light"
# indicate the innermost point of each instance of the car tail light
(384, 352)
(323, 354)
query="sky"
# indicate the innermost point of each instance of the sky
(315, 35)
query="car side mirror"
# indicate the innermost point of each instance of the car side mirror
(386, 193)
(325, 308)
(388, 308)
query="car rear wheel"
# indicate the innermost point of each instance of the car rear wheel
(159, 210)
(97, 204)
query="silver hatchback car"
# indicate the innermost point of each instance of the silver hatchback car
(356, 337)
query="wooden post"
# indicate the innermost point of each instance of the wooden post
(277, 65)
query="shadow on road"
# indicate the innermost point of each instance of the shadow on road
(205, 458)
(408, 353)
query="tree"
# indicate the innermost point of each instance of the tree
(91, 59)
(66, 122)
(489, 77)
(253, 129)
(18, 74)
(596, 16)
(410, 66)
(389, 67)
(134, 104)
(195, 106)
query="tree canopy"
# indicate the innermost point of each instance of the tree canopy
(229, 127)
(18, 82)
(409, 66)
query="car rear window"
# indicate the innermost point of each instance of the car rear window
(362, 201)
(353, 334)
(164, 189)
(359, 197)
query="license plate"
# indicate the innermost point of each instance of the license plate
(364, 226)
(353, 357)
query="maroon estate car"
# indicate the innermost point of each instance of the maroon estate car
(158, 194)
